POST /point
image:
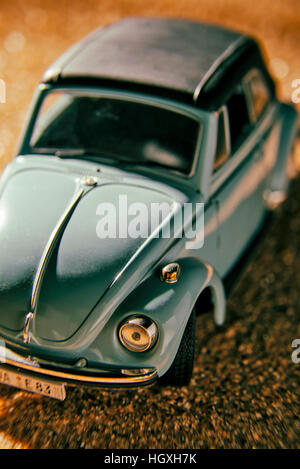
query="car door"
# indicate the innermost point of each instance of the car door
(239, 177)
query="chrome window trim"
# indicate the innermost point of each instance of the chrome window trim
(224, 112)
(242, 153)
(150, 100)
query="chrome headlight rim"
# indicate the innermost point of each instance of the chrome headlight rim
(143, 325)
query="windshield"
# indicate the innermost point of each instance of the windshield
(115, 128)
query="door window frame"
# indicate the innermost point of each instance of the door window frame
(223, 139)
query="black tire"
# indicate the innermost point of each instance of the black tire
(181, 370)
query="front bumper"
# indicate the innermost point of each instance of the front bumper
(73, 376)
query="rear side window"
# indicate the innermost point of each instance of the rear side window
(259, 94)
(239, 117)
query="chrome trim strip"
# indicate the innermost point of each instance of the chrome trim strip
(153, 235)
(28, 319)
(44, 262)
(48, 250)
(100, 380)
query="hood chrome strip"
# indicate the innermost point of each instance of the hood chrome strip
(44, 262)
(28, 319)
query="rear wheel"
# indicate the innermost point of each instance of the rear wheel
(181, 369)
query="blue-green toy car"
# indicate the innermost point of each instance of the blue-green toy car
(152, 153)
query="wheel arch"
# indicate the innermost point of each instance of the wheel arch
(169, 306)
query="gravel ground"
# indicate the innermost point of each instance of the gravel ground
(245, 389)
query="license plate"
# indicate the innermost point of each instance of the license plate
(28, 383)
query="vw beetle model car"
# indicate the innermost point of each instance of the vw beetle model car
(147, 111)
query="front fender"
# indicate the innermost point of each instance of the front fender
(170, 306)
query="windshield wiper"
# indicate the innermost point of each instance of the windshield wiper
(95, 153)
(73, 153)
(98, 155)
(147, 163)
(61, 153)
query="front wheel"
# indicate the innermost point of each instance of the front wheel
(181, 369)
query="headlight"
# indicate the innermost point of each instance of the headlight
(138, 334)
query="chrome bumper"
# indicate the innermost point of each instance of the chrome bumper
(72, 376)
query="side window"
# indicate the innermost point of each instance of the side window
(223, 144)
(239, 118)
(259, 95)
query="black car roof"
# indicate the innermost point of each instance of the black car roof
(173, 57)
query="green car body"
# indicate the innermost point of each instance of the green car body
(64, 293)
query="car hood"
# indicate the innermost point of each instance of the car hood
(83, 264)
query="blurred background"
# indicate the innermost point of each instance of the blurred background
(250, 398)
(34, 33)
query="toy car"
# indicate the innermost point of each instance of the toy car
(144, 114)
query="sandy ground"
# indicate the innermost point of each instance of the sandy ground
(245, 390)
